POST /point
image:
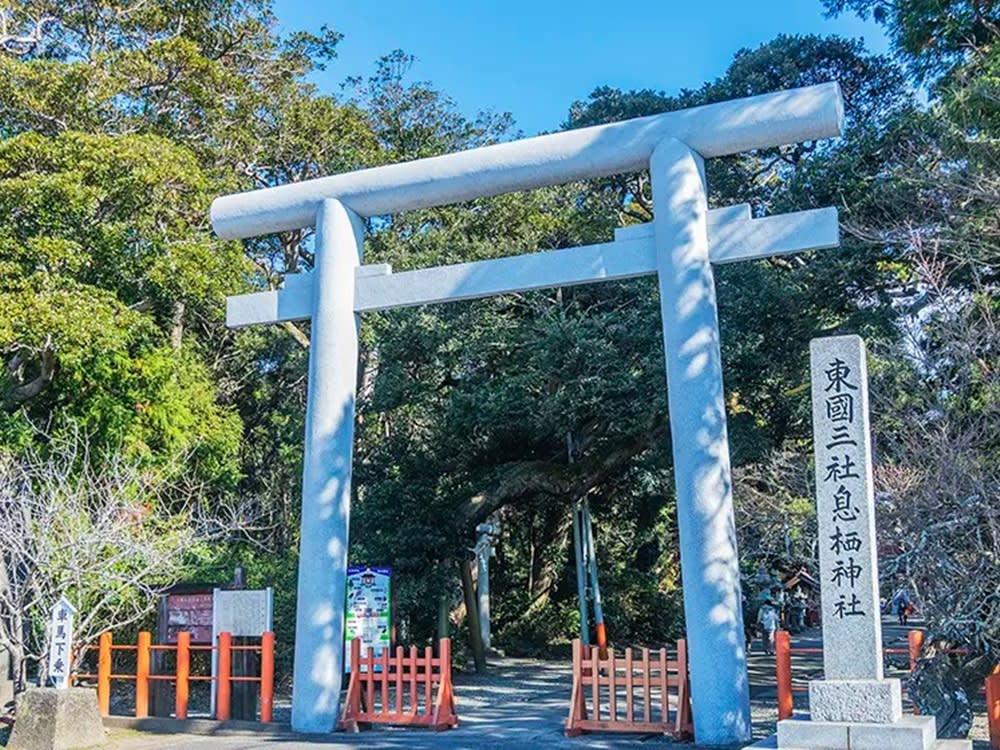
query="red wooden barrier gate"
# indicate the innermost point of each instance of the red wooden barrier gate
(642, 687)
(388, 690)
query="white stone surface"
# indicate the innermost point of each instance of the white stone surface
(705, 520)
(953, 745)
(735, 236)
(909, 733)
(242, 612)
(845, 507)
(326, 474)
(873, 701)
(712, 130)
(812, 735)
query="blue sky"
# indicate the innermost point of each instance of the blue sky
(534, 58)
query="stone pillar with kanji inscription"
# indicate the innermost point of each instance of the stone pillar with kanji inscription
(853, 706)
(845, 509)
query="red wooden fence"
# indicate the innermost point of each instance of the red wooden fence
(914, 643)
(628, 694)
(182, 676)
(993, 708)
(400, 689)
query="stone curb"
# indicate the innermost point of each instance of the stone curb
(207, 727)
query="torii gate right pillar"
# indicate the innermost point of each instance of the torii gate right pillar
(709, 563)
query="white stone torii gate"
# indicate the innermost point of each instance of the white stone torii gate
(679, 246)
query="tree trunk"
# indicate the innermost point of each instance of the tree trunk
(472, 613)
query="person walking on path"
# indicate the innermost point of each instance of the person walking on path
(902, 605)
(767, 619)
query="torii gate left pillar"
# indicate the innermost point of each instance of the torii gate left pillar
(326, 471)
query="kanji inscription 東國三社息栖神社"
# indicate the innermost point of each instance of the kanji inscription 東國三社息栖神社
(845, 508)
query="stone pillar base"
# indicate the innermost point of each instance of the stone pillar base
(858, 715)
(56, 719)
(909, 733)
(870, 701)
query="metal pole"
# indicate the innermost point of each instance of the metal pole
(599, 630)
(709, 563)
(581, 575)
(326, 473)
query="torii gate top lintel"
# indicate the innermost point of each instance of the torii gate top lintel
(679, 246)
(718, 129)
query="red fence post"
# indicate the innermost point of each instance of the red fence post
(915, 642)
(783, 667)
(223, 686)
(142, 652)
(684, 725)
(182, 674)
(267, 677)
(104, 674)
(993, 709)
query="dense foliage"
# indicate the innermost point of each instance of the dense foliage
(120, 121)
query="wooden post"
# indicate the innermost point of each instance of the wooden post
(915, 642)
(104, 674)
(444, 705)
(628, 684)
(429, 680)
(684, 725)
(224, 686)
(595, 682)
(369, 673)
(142, 653)
(385, 680)
(472, 612)
(182, 674)
(414, 700)
(993, 709)
(783, 666)
(613, 686)
(576, 709)
(400, 659)
(355, 698)
(647, 687)
(267, 677)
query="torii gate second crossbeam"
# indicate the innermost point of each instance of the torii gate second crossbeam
(679, 246)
